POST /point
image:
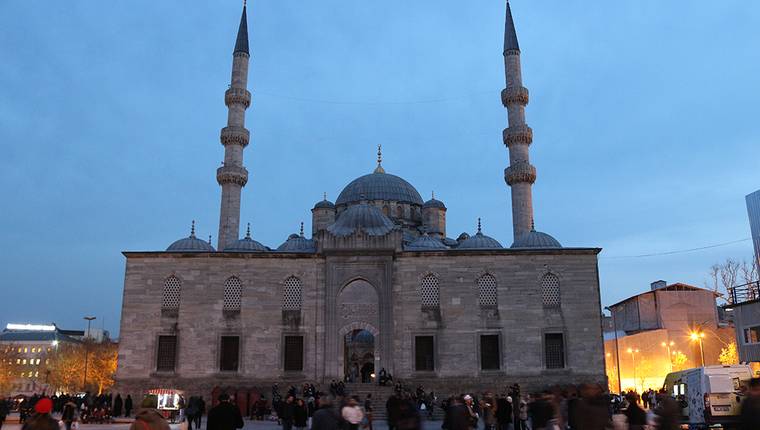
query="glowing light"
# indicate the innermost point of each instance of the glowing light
(30, 327)
(55, 343)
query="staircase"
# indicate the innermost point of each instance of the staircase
(380, 395)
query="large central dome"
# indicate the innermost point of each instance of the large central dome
(379, 186)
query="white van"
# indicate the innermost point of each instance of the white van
(709, 395)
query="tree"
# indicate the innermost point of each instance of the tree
(729, 355)
(67, 366)
(103, 360)
(9, 369)
(679, 360)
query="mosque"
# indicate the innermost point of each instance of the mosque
(378, 284)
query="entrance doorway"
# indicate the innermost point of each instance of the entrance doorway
(359, 356)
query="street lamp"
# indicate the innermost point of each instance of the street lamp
(633, 357)
(86, 351)
(670, 356)
(698, 336)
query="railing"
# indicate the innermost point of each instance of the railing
(744, 293)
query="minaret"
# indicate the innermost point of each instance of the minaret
(520, 175)
(232, 176)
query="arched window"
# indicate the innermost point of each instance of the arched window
(172, 288)
(233, 292)
(386, 210)
(550, 290)
(429, 293)
(399, 212)
(487, 291)
(291, 296)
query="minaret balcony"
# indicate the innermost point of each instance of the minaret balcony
(237, 96)
(514, 95)
(520, 173)
(232, 175)
(233, 135)
(518, 134)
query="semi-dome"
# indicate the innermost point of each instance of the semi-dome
(246, 244)
(426, 243)
(190, 244)
(297, 243)
(361, 217)
(479, 241)
(535, 239)
(379, 186)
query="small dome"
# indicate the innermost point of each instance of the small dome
(479, 241)
(190, 244)
(324, 204)
(379, 186)
(426, 243)
(246, 244)
(364, 217)
(296, 243)
(433, 204)
(535, 239)
(462, 237)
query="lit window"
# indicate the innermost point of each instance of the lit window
(430, 296)
(18, 361)
(752, 334)
(26, 350)
(38, 361)
(36, 374)
(23, 361)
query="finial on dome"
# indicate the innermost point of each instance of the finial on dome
(479, 231)
(301, 229)
(248, 231)
(532, 224)
(324, 196)
(209, 239)
(432, 195)
(192, 229)
(379, 168)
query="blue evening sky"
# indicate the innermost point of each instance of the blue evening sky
(645, 115)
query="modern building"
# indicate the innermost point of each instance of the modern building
(379, 284)
(744, 304)
(33, 344)
(753, 211)
(670, 327)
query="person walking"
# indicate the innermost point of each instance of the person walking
(352, 413)
(287, 410)
(200, 412)
(667, 414)
(70, 414)
(41, 420)
(148, 417)
(118, 404)
(128, 406)
(457, 416)
(637, 417)
(300, 415)
(368, 410)
(749, 418)
(324, 417)
(4, 411)
(224, 416)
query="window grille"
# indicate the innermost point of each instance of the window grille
(293, 353)
(554, 350)
(233, 292)
(550, 290)
(429, 293)
(488, 295)
(291, 298)
(172, 288)
(166, 357)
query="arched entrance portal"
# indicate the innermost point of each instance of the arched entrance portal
(359, 356)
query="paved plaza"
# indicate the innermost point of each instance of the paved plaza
(249, 425)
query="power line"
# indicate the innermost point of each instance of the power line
(359, 102)
(680, 251)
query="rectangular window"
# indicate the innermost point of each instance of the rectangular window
(294, 353)
(752, 334)
(229, 353)
(166, 358)
(424, 354)
(554, 350)
(490, 358)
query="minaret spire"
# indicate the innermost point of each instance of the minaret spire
(233, 176)
(520, 175)
(379, 168)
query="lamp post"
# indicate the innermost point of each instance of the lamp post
(698, 336)
(633, 358)
(670, 357)
(617, 349)
(86, 351)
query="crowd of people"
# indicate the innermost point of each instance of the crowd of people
(587, 407)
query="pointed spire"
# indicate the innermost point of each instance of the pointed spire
(241, 44)
(479, 230)
(209, 239)
(432, 195)
(510, 35)
(532, 224)
(192, 229)
(379, 168)
(324, 196)
(248, 231)
(301, 229)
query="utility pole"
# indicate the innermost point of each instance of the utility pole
(87, 338)
(617, 350)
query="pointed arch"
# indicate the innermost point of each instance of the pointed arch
(172, 293)
(487, 291)
(292, 294)
(430, 295)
